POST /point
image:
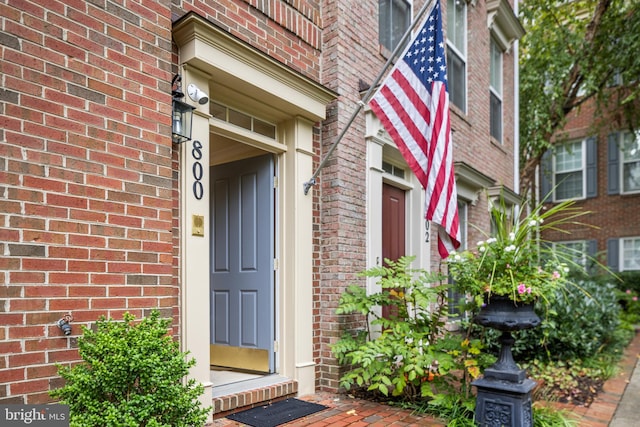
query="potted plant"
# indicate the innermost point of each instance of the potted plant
(513, 264)
(504, 276)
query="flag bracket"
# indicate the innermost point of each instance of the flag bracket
(308, 185)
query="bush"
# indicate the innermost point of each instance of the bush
(579, 324)
(410, 357)
(132, 376)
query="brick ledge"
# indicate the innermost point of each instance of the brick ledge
(228, 404)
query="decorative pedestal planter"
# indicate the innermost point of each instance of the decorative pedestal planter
(504, 392)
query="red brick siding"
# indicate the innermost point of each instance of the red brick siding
(86, 177)
(613, 216)
(288, 31)
(352, 53)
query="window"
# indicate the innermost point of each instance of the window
(456, 298)
(457, 52)
(630, 161)
(245, 121)
(575, 252)
(393, 170)
(630, 254)
(623, 254)
(623, 169)
(495, 91)
(572, 172)
(394, 18)
(569, 171)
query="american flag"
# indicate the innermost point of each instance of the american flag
(413, 105)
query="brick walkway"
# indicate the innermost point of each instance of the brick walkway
(602, 410)
(346, 411)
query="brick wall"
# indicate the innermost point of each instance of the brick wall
(85, 177)
(351, 53)
(288, 31)
(612, 216)
(472, 141)
(89, 178)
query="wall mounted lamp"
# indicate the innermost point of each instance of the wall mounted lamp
(182, 113)
(65, 324)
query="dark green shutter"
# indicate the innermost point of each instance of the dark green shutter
(613, 165)
(546, 178)
(613, 254)
(592, 249)
(592, 167)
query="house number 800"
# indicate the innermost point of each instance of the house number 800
(198, 171)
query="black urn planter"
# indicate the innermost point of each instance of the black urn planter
(504, 392)
(501, 313)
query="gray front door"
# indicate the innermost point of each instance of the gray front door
(242, 271)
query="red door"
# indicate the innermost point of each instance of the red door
(393, 231)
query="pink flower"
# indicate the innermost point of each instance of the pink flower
(529, 290)
(628, 291)
(635, 298)
(555, 275)
(522, 288)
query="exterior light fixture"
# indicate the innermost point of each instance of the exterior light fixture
(197, 95)
(65, 324)
(182, 113)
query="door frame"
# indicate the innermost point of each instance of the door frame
(211, 58)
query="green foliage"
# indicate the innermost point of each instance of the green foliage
(132, 376)
(561, 379)
(512, 262)
(630, 303)
(457, 409)
(583, 321)
(548, 416)
(406, 354)
(576, 61)
(628, 293)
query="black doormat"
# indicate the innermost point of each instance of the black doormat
(277, 413)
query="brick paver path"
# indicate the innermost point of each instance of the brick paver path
(346, 411)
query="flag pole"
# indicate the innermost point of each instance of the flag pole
(365, 99)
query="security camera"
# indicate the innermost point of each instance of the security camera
(197, 95)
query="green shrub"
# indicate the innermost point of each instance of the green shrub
(132, 375)
(577, 325)
(410, 356)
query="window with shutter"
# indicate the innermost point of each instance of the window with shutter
(574, 252)
(630, 253)
(570, 171)
(630, 162)
(623, 161)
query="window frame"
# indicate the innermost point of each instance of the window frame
(457, 55)
(636, 241)
(388, 39)
(452, 294)
(572, 252)
(582, 170)
(496, 62)
(623, 162)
